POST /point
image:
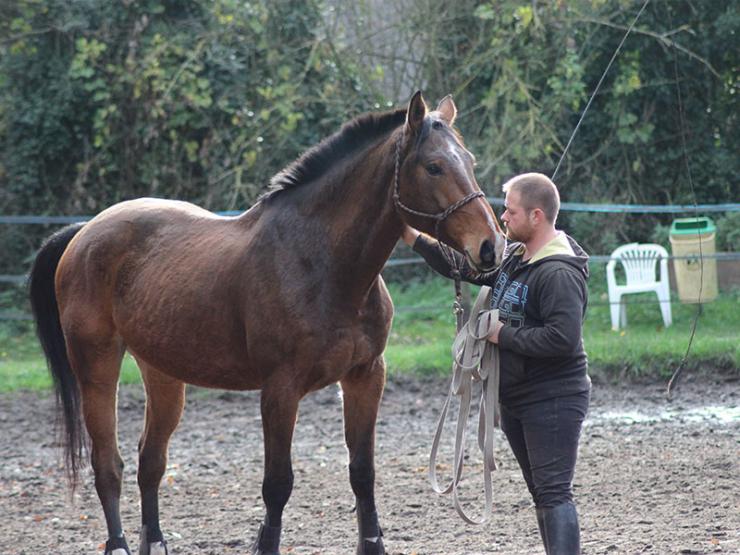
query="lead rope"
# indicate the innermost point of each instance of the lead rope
(475, 359)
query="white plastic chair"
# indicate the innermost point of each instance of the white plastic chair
(638, 261)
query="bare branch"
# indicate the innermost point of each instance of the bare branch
(662, 37)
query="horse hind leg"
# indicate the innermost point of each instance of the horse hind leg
(165, 399)
(96, 362)
(362, 390)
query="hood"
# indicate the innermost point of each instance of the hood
(563, 247)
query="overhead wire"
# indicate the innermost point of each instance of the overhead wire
(682, 128)
(596, 89)
(681, 115)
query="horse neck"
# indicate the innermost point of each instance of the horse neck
(361, 218)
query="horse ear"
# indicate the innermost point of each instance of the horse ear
(447, 110)
(416, 112)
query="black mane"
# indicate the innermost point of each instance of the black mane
(317, 160)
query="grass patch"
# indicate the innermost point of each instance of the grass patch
(22, 363)
(422, 336)
(424, 326)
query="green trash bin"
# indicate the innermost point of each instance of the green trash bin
(693, 243)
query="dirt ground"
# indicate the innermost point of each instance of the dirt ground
(653, 477)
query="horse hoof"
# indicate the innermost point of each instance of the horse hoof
(154, 548)
(268, 541)
(116, 546)
(371, 546)
(371, 535)
(152, 543)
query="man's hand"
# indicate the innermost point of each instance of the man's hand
(493, 337)
(409, 235)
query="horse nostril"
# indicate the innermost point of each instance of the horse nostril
(487, 252)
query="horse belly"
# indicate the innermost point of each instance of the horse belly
(200, 345)
(200, 363)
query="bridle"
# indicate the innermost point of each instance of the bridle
(439, 217)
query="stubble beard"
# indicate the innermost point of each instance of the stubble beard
(518, 237)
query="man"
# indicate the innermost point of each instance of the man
(540, 291)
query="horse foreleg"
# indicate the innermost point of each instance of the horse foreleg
(279, 404)
(362, 390)
(165, 398)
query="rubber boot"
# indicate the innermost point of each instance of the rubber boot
(561, 530)
(541, 525)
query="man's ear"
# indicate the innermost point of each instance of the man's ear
(538, 216)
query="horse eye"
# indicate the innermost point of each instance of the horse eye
(437, 125)
(434, 169)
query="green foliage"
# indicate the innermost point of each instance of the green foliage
(661, 236)
(522, 72)
(597, 233)
(183, 99)
(728, 232)
(204, 101)
(421, 337)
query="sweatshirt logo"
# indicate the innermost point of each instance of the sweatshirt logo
(510, 297)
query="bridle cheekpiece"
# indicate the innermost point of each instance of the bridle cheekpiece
(439, 217)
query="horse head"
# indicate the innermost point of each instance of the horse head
(435, 186)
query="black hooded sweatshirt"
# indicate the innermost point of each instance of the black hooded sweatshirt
(542, 302)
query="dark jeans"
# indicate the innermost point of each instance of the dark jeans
(544, 437)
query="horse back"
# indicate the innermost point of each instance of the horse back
(164, 277)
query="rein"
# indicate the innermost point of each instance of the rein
(475, 359)
(439, 217)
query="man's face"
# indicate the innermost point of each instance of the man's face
(516, 218)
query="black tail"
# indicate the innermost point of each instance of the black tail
(49, 330)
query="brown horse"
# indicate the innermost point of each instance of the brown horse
(286, 298)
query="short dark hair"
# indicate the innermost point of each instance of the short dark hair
(536, 190)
